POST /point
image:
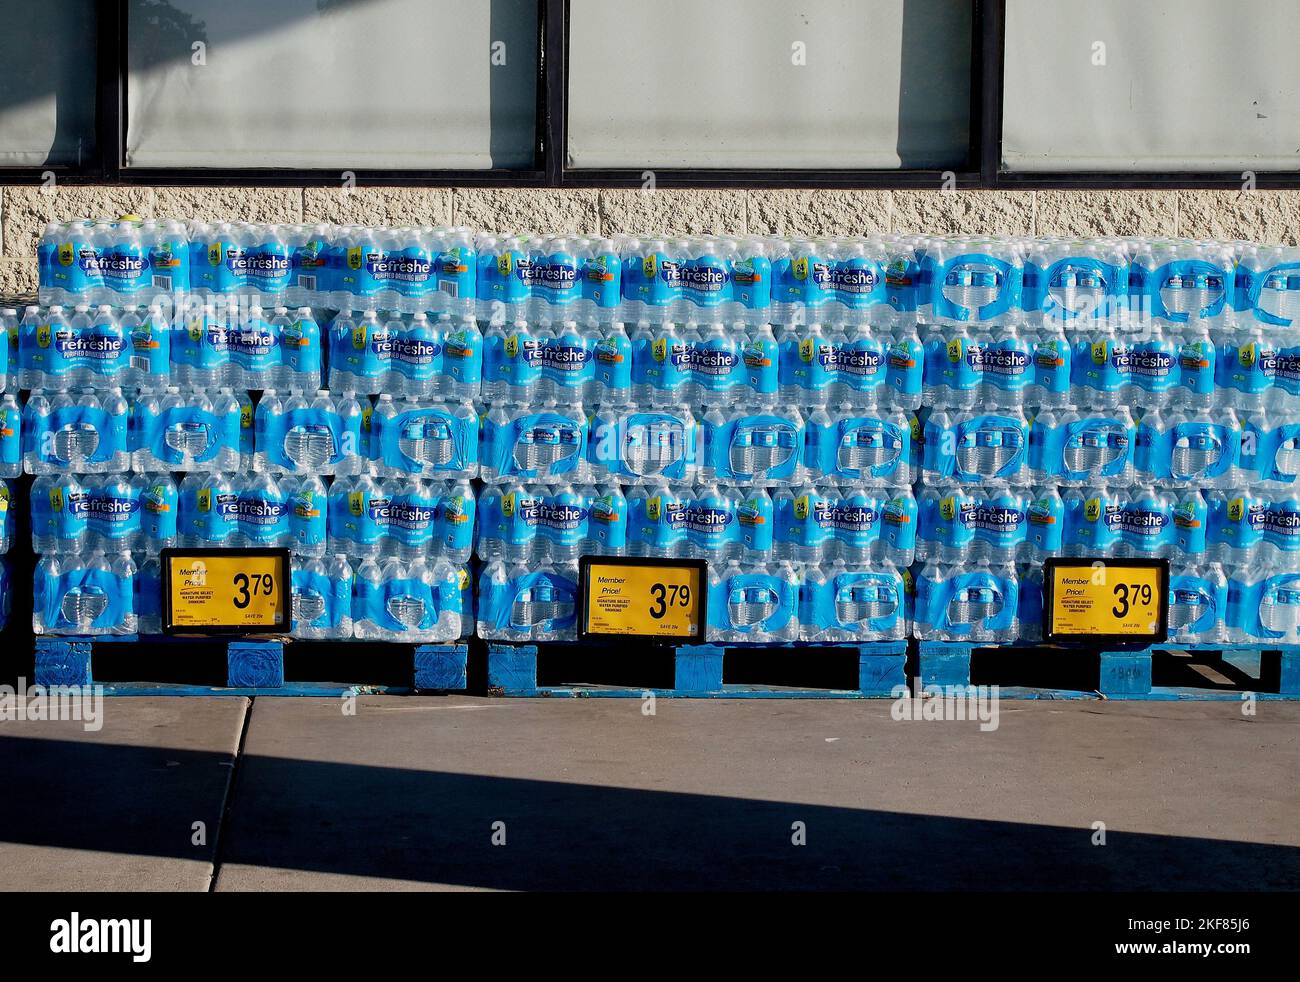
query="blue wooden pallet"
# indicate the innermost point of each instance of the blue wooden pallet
(254, 667)
(699, 672)
(1124, 671)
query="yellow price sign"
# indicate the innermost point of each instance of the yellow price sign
(227, 591)
(645, 598)
(1105, 600)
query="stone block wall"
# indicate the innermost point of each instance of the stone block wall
(1267, 216)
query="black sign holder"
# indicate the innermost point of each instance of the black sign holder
(584, 578)
(1161, 634)
(286, 588)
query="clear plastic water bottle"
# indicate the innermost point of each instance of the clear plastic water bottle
(417, 354)
(339, 572)
(256, 352)
(247, 428)
(37, 421)
(49, 273)
(203, 346)
(72, 518)
(1237, 523)
(263, 512)
(280, 370)
(47, 512)
(496, 381)
(344, 357)
(32, 356)
(66, 361)
(643, 368)
(208, 511)
(9, 327)
(149, 337)
(159, 512)
(148, 596)
(1052, 354)
(367, 583)
(461, 376)
(268, 422)
(45, 581)
(11, 436)
(105, 351)
(300, 353)
(122, 263)
(107, 452)
(47, 504)
(308, 509)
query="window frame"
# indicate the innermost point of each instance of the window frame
(982, 169)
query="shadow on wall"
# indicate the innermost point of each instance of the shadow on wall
(436, 827)
(50, 53)
(927, 119)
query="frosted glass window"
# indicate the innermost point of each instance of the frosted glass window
(769, 83)
(351, 84)
(1152, 85)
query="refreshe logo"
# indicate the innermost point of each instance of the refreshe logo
(102, 936)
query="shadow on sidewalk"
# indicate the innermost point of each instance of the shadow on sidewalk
(436, 827)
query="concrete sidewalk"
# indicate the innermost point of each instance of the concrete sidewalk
(419, 792)
(116, 809)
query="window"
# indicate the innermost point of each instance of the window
(331, 84)
(47, 83)
(769, 83)
(1152, 85)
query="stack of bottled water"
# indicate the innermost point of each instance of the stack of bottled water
(419, 601)
(245, 347)
(93, 522)
(169, 391)
(521, 523)
(375, 518)
(123, 262)
(410, 269)
(763, 403)
(540, 511)
(401, 508)
(408, 355)
(539, 278)
(1115, 410)
(344, 267)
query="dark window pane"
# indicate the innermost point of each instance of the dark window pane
(47, 82)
